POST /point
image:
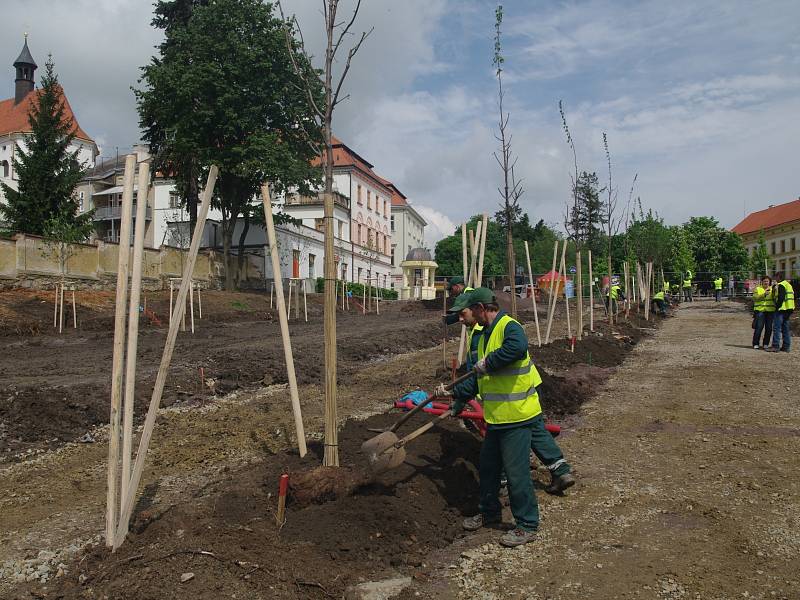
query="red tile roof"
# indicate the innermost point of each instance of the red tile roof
(769, 217)
(14, 117)
(344, 156)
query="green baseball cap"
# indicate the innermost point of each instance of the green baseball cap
(458, 280)
(462, 301)
(482, 295)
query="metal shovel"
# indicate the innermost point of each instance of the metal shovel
(385, 451)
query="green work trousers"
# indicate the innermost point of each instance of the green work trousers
(546, 449)
(508, 450)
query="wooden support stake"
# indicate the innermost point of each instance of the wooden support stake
(169, 346)
(55, 308)
(305, 302)
(364, 300)
(533, 294)
(289, 295)
(199, 303)
(444, 335)
(297, 299)
(284, 323)
(551, 300)
(170, 300)
(61, 310)
(133, 324)
(464, 251)
(118, 355)
(191, 304)
(579, 295)
(271, 289)
(563, 273)
(484, 231)
(591, 294)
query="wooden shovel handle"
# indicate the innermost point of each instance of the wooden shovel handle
(422, 405)
(418, 432)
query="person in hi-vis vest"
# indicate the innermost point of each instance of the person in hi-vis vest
(763, 313)
(783, 292)
(507, 382)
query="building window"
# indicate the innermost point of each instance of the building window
(319, 224)
(392, 220)
(311, 271)
(344, 271)
(772, 247)
(794, 244)
(174, 200)
(385, 208)
(369, 200)
(783, 246)
(358, 194)
(341, 230)
(393, 247)
(5, 166)
(359, 275)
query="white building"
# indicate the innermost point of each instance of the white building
(408, 232)
(14, 125)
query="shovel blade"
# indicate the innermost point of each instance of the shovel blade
(381, 455)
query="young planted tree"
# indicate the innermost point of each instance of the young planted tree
(760, 256)
(47, 171)
(238, 103)
(610, 218)
(337, 31)
(511, 189)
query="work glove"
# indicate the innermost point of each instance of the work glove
(480, 367)
(458, 406)
(442, 391)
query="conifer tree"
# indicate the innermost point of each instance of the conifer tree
(47, 172)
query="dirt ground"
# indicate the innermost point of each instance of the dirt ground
(209, 488)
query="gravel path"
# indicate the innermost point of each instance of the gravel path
(688, 470)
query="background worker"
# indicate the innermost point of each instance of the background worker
(717, 288)
(687, 287)
(614, 294)
(455, 287)
(660, 303)
(783, 292)
(763, 312)
(543, 444)
(507, 381)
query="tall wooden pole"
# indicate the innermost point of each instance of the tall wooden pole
(331, 455)
(482, 252)
(579, 287)
(591, 294)
(118, 355)
(166, 358)
(533, 295)
(551, 297)
(563, 273)
(133, 323)
(465, 265)
(283, 319)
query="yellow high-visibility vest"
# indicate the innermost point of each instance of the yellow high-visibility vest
(763, 300)
(658, 296)
(718, 283)
(788, 301)
(509, 395)
(687, 283)
(613, 293)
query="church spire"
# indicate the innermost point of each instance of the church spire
(25, 66)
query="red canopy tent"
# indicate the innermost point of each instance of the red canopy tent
(559, 281)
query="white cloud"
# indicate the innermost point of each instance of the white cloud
(439, 224)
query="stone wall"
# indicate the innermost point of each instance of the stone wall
(33, 262)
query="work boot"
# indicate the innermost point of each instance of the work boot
(772, 349)
(517, 537)
(478, 521)
(560, 483)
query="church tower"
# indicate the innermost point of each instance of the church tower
(25, 66)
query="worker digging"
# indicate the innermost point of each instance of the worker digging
(506, 381)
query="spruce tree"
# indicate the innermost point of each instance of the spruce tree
(47, 172)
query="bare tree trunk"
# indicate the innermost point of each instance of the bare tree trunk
(511, 271)
(242, 237)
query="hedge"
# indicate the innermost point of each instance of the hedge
(358, 290)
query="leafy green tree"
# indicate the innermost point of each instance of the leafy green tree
(760, 257)
(648, 238)
(47, 171)
(586, 217)
(238, 103)
(715, 250)
(679, 258)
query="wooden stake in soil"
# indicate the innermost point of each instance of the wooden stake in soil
(170, 300)
(533, 294)
(55, 309)
(484, 231)
(284, 323)
(591, 294)
(625, 273)
(283, 488)
(133, 324)
(199, 303)
(579, 288)
(563, 272)
(550, 299)
(74, 311)
(61, 310)
(161, 377)
(118, 355)
(271, 290)
(305, 302)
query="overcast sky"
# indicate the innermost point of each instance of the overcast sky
(700, 98)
